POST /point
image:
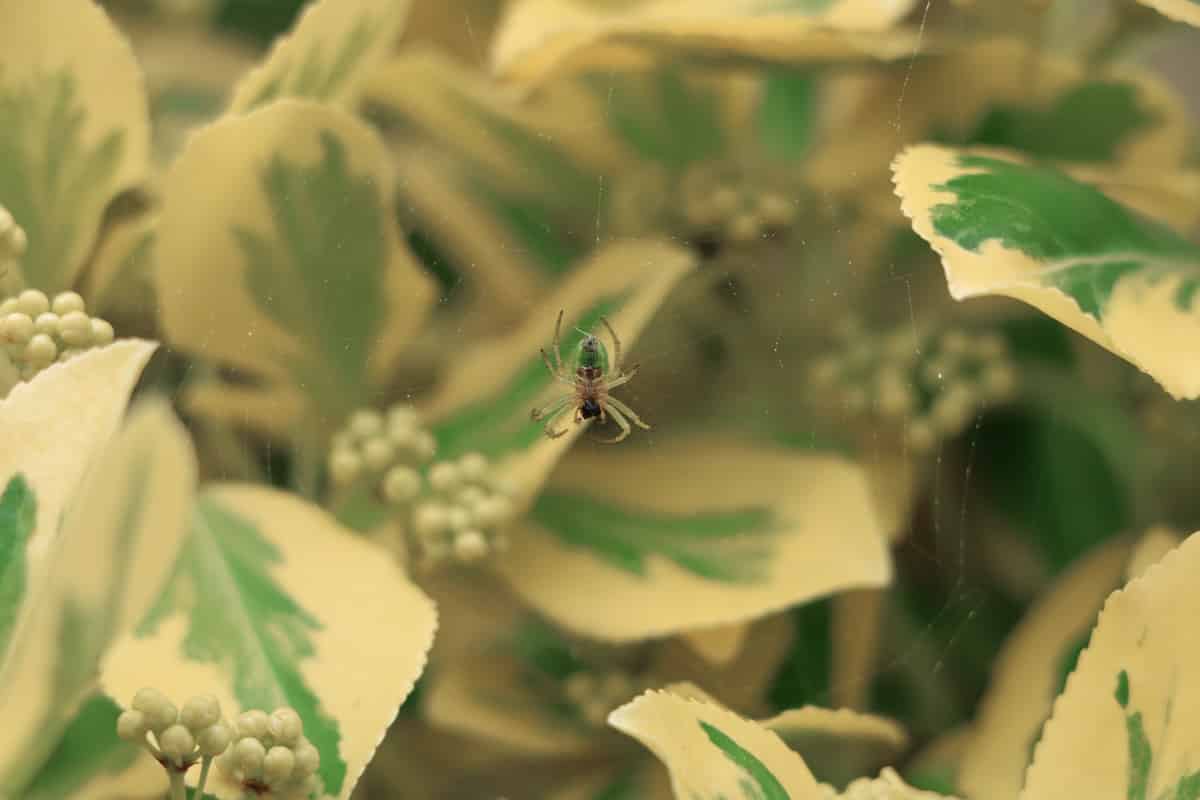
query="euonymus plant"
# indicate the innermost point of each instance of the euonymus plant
(324, 328)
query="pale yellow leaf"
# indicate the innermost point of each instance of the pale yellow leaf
(839, 744)
(1124, 727)
(1027, 674)
(719, 644)
(330, 53)
(1182, 10)
(711, 752)
(369, 628)
(76, 129)
(52, 427)
(274, 410)
(120, 536)
(326, 306)
(822, 537)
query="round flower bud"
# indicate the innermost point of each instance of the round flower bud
(470, 545)
(32, 302)
(990, 345)
(365, 423)
(725, 200)
(955, 343)
(425, 446)
(249, 754)
(896, 397)
(469, 497)
(473, 466)
(344, 466)
(953, 409)
(17, 328)
(200, 712)
(378, 453)
(131, 725)
(66, 302)
(743, 228)
(160, 712)
(429, 518)
(278, 764)
(41, 350)
(579, 687)
(254, 724)
(214, 740)
(176, 742)
(68, 354)
(47, 322)
(75, 328)
(102, 332)
(401, 484)
(307, 758)
(458, 518)
(443, 476)
(402, 418)
(285, 726)
(17, 241)
(775, 210)
(999, 381)
(8, 306)
(493, 510)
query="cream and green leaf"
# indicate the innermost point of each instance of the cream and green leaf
(328, 55)
(74, 129)
(1181, 10)
(119, 536)
(712, 753)
(733, 527)
(304, 284)
(1004, 225)
(252, 615)
(1120, 729)
(487, 394)
(540, 39)
(1032, 669)
(55, 424)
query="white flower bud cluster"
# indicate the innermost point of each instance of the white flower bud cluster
(452, 509)
(36, 331)
(385, 449)
(12, 241)
(271, 754)
(934, 385)
(888, 786)
(463, 515)
(732, 205)
(177, 738)
(594, 694)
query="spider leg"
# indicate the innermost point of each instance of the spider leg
(557, 348)
(557, 374)
(616, 364)
(621, 422)
(551, 409)
(616, 406)
(622, 378)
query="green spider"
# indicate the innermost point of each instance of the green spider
(590, 384)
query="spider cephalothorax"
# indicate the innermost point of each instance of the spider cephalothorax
(592, 380)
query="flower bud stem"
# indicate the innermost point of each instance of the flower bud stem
(204, 765)
(178, 788)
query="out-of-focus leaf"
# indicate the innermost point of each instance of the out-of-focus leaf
(691, 534)
(713, 753)
(51, 427)
(90, 763)
(1181, 10)
(1121, 728)
(326, 624)
(304, 281)
(538, 39)
(74, 129)
(120, 278)
(485, 400)
(120, 535)
(839, 745)
(1005, 226)
(328, 56)
(1031, 671)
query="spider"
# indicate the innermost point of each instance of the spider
(591, 384)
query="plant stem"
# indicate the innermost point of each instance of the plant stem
(203, 778)
(178, 790)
